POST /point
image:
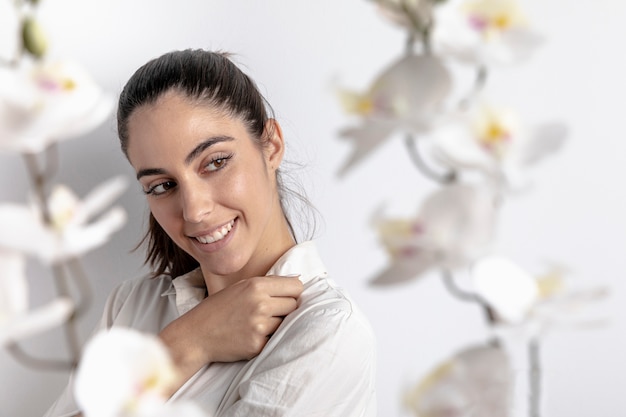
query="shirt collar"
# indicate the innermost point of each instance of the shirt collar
(302, 260)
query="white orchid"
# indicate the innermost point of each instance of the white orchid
(46, 102)
(492, 140)
(9, 30)
(414, 15)
(453, 227)
(16, 320)
(68, 232)
(409, 96)
(485, 32)
(125, 373)
(538, 304)
(477, 381)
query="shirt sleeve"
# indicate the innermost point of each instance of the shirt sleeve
(322, 363)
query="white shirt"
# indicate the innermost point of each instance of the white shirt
(320, 361)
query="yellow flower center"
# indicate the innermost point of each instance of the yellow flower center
(494, 134)
(68, 84)
(491, 17)
(62, 205)
(550, 284)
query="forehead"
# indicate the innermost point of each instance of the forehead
(174, 124)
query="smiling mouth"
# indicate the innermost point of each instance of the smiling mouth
(217, 235)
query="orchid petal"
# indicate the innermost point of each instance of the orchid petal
(407, 13)
(124, 372)
(411, 91)
(477, 379)
(405, 269)
(13, 285)
(179, 409)
(47, 102)
(80, 240)
(546, 139)
(23, 231)
(408, 95)
(35, 321)
(454, 226)
(460, 220)
(508, 289)
(16, 322)
(100, 197)
(364, 139)
(9, 30)
(458, 35)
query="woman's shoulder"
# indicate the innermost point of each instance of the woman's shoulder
(137, 297)
(141, 286)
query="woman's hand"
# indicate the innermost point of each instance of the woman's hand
(232, 324)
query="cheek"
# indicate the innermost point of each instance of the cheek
(162, 213)
(251, 190)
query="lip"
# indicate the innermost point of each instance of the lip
(214, 246)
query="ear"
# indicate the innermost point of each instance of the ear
(274, 148)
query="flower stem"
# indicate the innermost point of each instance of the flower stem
(479, 83)
(71, 332)
(534, 378)
(445, 178)
(39, 179)
(448, 280)
(82, 283)
(30, 361)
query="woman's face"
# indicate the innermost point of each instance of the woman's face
(209, 186)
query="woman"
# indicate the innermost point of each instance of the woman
(249, 316)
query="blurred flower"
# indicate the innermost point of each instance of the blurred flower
(475, 382)
(454, 226)
(415, 15)
(493, 141)
(124, 373)
(68, 233)
(16, 321)
(485, 32)
(409, 95)
(538, 303)
(9, 30)
(45, 102)
(178, 409)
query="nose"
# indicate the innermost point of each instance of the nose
(196, 204)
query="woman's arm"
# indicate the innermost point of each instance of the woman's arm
(231, 325)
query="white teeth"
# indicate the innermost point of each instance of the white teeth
(217, 235)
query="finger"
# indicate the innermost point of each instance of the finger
(273, 324)
(280, 286)
(281, 306)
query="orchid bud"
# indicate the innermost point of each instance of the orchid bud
(33, 38)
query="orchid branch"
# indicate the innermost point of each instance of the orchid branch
(82, 283)
(456, 291)
(480, 81)
(32, 362)
(446, 178)
(39, 179)
(534, 378)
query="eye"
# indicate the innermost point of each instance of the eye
(160, 188)
(218, 163)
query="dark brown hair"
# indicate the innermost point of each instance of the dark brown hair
(208, 78)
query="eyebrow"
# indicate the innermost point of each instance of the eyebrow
(204, 145)
(197, 151)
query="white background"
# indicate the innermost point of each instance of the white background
(297, 51)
